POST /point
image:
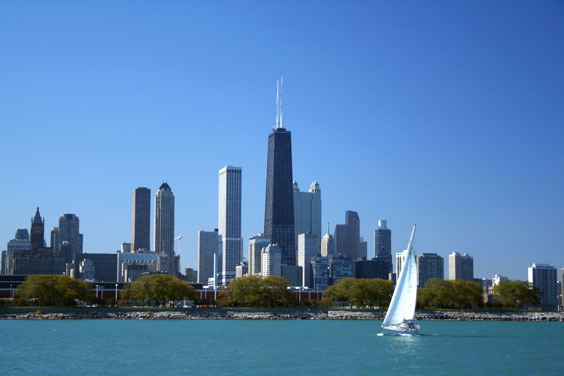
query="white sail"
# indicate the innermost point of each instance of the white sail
(402, 306)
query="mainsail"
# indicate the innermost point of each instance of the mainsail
(402, 306)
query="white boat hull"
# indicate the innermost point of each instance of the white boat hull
(400, 330)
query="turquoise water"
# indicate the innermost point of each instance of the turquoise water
(229, 347)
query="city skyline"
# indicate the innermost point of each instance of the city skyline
(442, 116)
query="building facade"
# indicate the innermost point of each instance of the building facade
(307, 248)
(141, 219)
(460, 267)
(67, 232)
(20, 242)
(328, 244)
(207, 248)
(164, 225)
(429, 266)
(256, 244)
(347, 236)
(279, 201)
(339, 267)
(37, 230)
(229, 222)
(307, 211)
(382, 239)
(544, 277)
(271, 260)
(320, 272)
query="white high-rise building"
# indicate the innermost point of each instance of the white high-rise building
(230, 243)
(164, 225)
(460, 266)
(307, 248)
(271, 260)
(256, 244)
(328, 244)
(307, 211)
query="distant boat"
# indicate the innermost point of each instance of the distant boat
(400, 318)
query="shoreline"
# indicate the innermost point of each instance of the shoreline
(316, 314)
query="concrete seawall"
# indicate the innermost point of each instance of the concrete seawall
(225, 314)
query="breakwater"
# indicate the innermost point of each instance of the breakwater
(226, 314)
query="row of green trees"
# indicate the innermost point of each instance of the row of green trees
(439, 293)
(272, 291)
(63, 291)
(517, 294)
(254, 291)
(361, 292)
(54, 290)
(159, 288)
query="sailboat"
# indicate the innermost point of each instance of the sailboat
(400, 318)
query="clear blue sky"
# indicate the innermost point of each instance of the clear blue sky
(442, 113)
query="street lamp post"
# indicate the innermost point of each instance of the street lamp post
(116, 294)
(11, 292)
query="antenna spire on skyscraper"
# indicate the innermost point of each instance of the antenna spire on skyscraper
(277, 104)
(279, 116)
(281, 97)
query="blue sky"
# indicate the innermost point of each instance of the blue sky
(445, 114)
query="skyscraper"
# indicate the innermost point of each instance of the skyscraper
(339, 267)
(460, 267)
(230, 242)
(429, 266)
(207, 247)
(141, 219)
(307, 211)
(67, 231)
(37, 236)
(271, 257)
(279, 203)
(362, 248)
(164, 225)
(382, 239)
(327, 244)
(383, 247)
(544, 277)
(347, 236)
(307, 248)
(256, 244)
(20, 242)
(320, 272)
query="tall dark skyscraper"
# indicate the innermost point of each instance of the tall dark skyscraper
(141, 219)
(382, 239)
(67, 231)
(347, 236)
(37, 236)
(383, 247)
(164, 225)
(279, 206)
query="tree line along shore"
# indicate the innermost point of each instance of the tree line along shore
(162, 290)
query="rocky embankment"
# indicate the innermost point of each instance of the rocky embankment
(220, 314)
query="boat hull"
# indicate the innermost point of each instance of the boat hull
(400, 330)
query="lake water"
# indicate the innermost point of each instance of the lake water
(230, 347)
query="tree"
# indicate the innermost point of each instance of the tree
(516, 294)
(160, 288)
(362, 292)
(59, 290)
(252, 291)
(458, 294)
